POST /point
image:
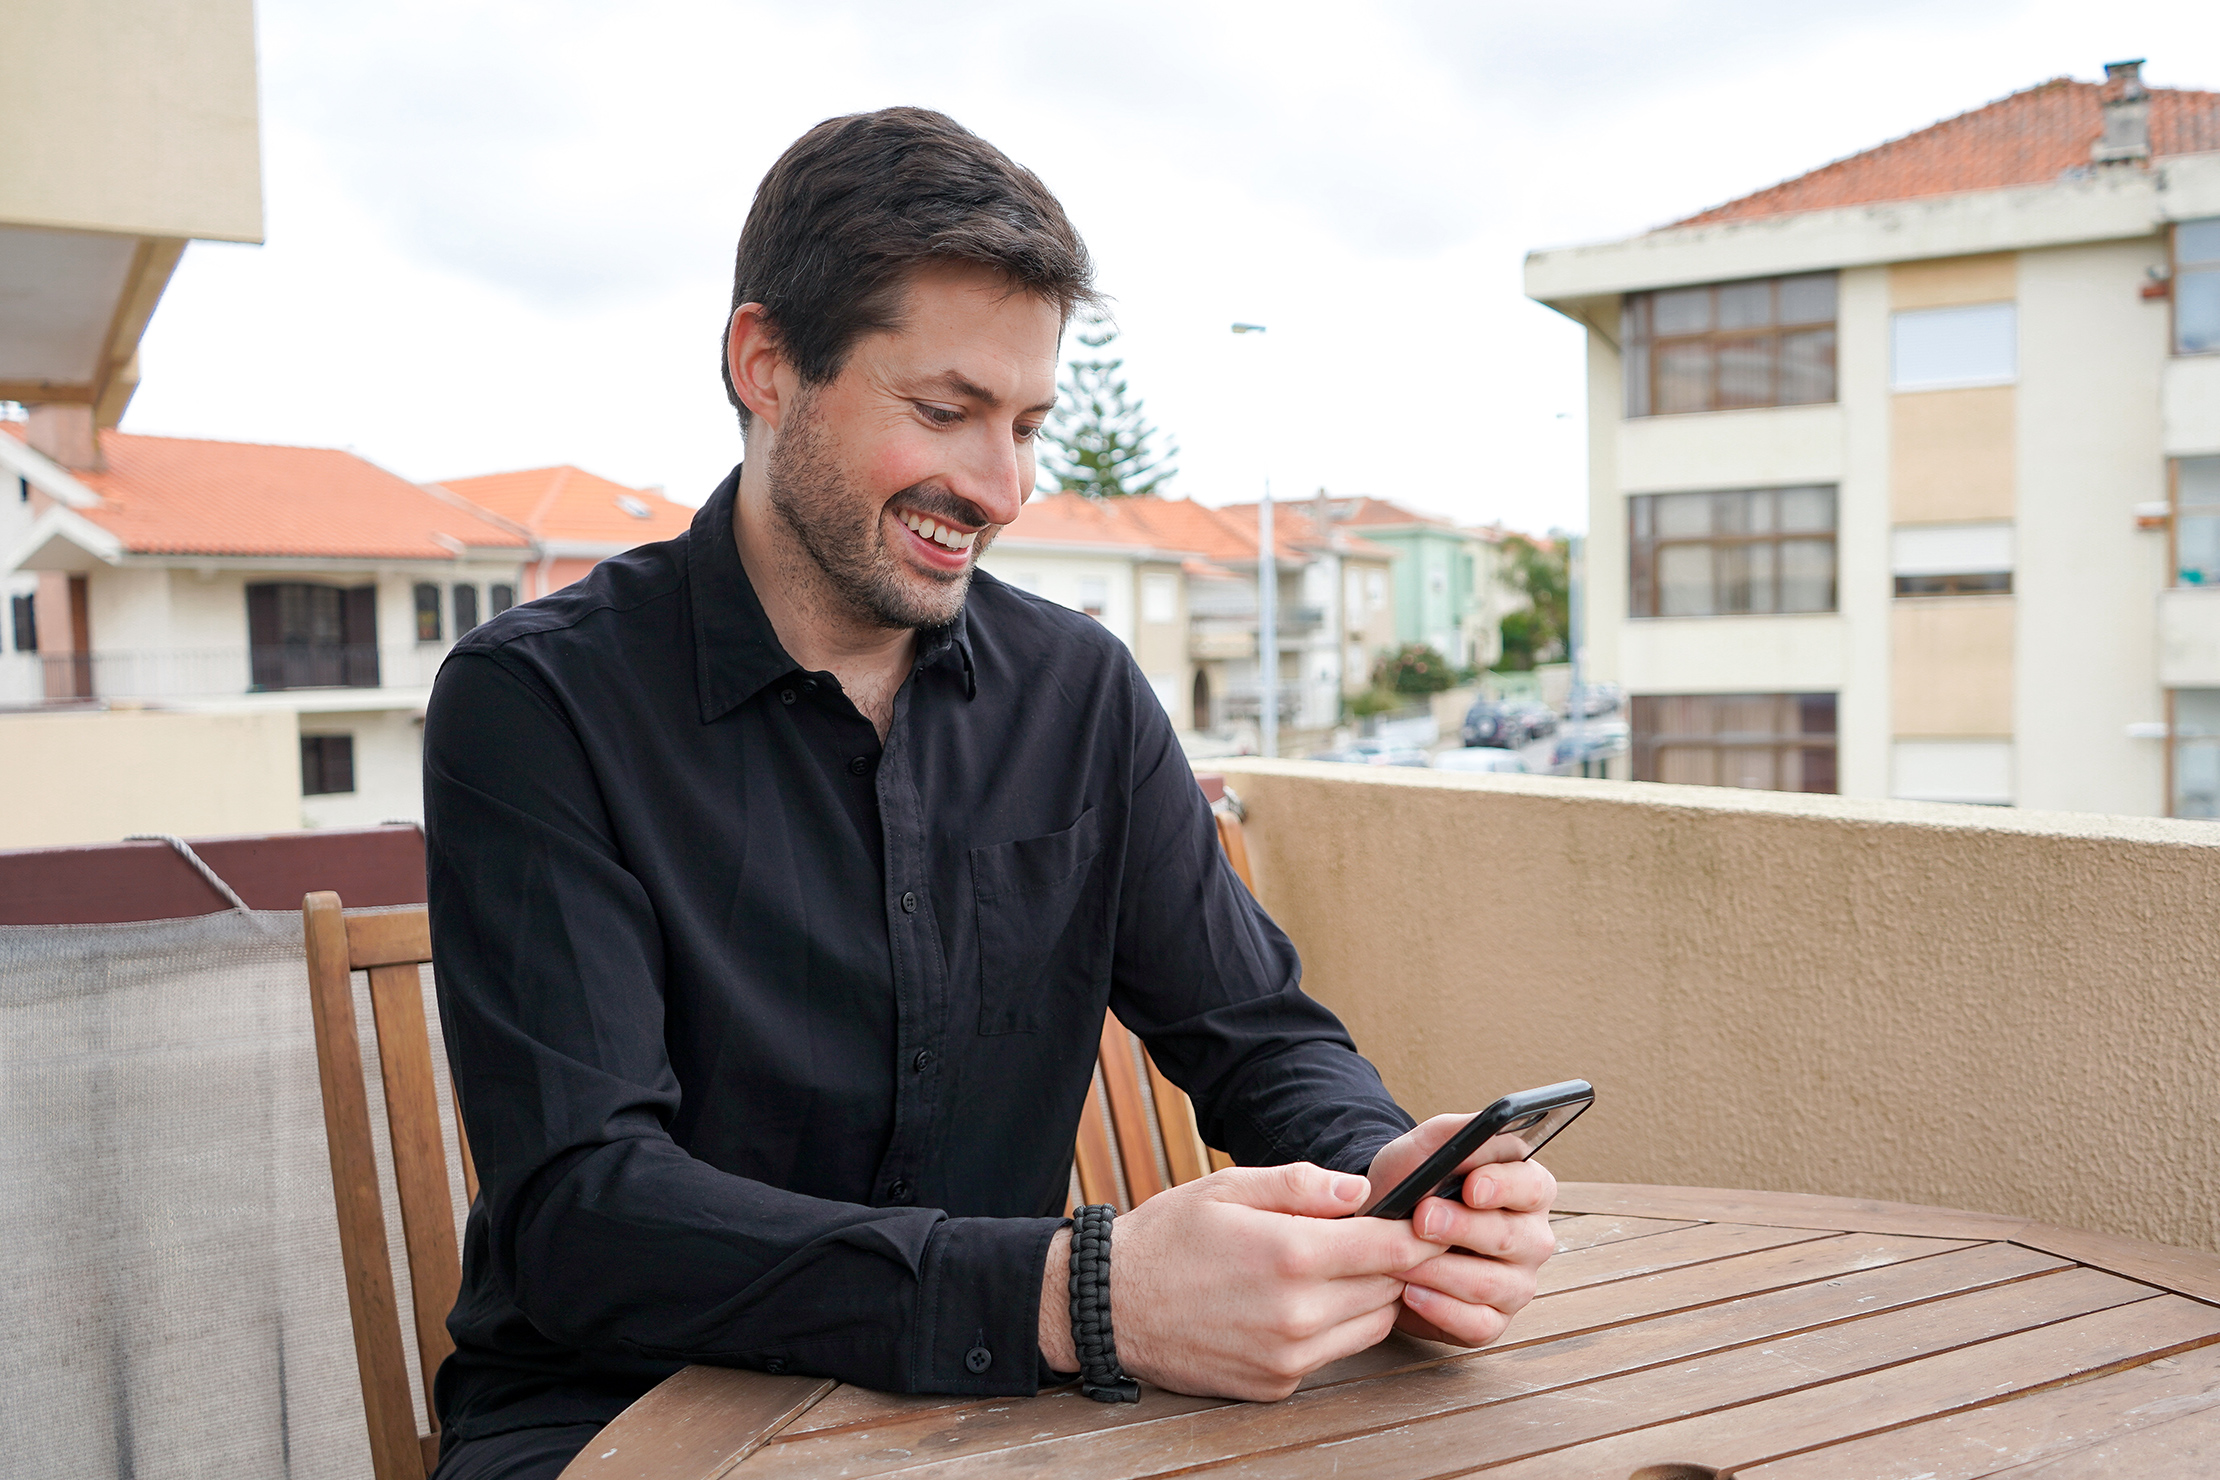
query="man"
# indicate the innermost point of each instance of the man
(781, 874)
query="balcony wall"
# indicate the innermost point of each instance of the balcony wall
(2006, 1011)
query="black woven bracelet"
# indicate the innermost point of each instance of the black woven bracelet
(1100, 1376)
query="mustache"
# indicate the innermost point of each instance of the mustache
(938, 503)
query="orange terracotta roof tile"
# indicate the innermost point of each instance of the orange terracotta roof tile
(569, 505)
(1296, 535)
(2029, 138)
(184, 496)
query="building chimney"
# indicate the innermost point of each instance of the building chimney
(2127, 115)
(64, 432)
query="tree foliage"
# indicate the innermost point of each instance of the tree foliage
(1098, 441)
(1537, 632)
(1414, 668)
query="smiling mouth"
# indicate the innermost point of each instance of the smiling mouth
(940, 534)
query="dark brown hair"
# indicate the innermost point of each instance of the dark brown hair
(857, 203)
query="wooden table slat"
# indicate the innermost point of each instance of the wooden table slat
(2190, 1272)
(1782, 1209)
(695, 1425)
(1698, 1244)
(1587, 1231)
(1907, 1392)
(2037, 1426)
(2188, 1445)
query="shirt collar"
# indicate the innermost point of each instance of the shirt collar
(736, 652)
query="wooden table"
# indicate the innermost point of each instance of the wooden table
(1680, 1332)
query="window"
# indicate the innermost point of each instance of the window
(1094, 596)
(427, 612)
(500, 597)
(1159, 598)
(466, 609)
(1743, 552)
(303, 636)
(2196, 742)
(1943, 348)
(327, 764)
(1952, 559)
(1772, 742)
(26, 612)
(22, 490)
(2197, 521)
(2197, 287)
(1762, 342)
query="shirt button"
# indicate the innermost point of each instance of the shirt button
(924, 1057)
(978, 1359)
(859, 766)
(909, 903)
(775, 1366)
(786, 696)
(898, 1190)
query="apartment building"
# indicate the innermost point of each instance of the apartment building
(1450, 582)
(1122, 562)
(1178, 583)
(1905, 473)
(224, 578)
(574, 519)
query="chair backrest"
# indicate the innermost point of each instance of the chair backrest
(391, 947)
(1116, 1158)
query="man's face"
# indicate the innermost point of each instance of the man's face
(894, 477)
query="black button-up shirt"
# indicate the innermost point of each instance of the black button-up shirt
(772, 1040)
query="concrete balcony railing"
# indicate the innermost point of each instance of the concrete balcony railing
(212, 673)
(2008, 1011)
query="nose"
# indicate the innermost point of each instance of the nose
(994, 473)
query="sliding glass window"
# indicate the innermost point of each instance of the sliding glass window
(1741, 552)
(1762, 342)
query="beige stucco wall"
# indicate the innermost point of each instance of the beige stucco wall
(1951, 455)
(95, 776)
(2000, 1010)
(1953, 666)
(131, 116)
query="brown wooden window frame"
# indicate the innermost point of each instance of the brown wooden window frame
(284, 651)
(1964, 583)
(1644, 590)
(1794, 730)
(1646, 349)
(327, 765)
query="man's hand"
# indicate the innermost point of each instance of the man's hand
(1497, 1241)
(1240, 1283)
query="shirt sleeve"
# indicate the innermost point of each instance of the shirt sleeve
(597, 1226)
(1214, 987)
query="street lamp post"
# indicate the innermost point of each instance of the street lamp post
(1267, 613)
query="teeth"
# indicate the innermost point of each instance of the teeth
(938, 533)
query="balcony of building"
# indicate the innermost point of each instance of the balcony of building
(300, 676)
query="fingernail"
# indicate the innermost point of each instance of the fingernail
(1351, 1189)
(1430, 1221)
(1482, 1192)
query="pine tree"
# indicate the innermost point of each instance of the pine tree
(1098, 441)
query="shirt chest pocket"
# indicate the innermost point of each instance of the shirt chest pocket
(1044, 941)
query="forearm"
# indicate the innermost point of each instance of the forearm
(1055, 1318)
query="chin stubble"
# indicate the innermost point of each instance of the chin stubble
(845, 537)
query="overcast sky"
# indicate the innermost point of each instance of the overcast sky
(500, 231)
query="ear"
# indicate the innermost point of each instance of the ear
(760, 374)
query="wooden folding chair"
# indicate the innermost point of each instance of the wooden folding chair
(1117, 1158)
(692, 1426)
(390, 947)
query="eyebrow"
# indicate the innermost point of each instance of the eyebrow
(955, 381)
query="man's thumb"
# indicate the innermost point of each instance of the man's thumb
(1298, 1187)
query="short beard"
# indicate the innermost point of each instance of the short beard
(844, 537)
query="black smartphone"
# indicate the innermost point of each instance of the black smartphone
(1512, 1129)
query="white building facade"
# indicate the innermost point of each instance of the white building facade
(1901, 497)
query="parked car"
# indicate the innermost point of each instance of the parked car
(1595, 698)
(1591, 740)
(1504, 726)
(1373, 753)
(1480, 758)
(1539, 720)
